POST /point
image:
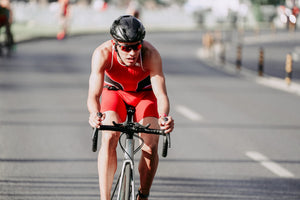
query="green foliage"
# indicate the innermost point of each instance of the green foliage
(268, 2)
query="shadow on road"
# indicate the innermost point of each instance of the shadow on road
(86, 187)
(254, 188)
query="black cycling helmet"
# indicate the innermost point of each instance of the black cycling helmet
(127, 29)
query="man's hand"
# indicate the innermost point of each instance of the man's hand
(166, 123)
(95, 119)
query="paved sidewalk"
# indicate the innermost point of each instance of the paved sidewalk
(266, 80)
(269, 37)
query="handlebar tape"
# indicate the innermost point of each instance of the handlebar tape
(95, 140)
(166, 145)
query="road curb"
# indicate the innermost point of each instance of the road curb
(266, 80)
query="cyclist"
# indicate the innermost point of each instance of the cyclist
(6, 19)
(64, 13)
(128, 69)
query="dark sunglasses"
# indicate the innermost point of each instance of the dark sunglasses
(128, 48)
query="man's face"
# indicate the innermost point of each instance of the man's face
(129, 52)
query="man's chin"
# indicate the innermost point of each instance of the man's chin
(129, 63)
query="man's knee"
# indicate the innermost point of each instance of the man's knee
(150, 150)
(110, 140)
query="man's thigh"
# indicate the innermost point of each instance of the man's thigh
(147, 107)
(111, 101)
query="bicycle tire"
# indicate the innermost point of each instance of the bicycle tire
(126, 183)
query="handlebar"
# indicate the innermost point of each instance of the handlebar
(131, 128)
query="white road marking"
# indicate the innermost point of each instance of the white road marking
(279, 84)
(188, 113)
(269, 164)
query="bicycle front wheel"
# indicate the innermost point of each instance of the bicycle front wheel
(126, 187)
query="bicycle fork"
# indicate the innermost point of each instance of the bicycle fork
(128, 160)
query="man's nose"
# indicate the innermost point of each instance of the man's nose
(132, 52)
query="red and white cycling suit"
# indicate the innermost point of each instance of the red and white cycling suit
(129, 84)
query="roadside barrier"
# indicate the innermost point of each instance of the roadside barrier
(219, 54)
(239, 57)
(208, 43)
(288, 68)
(223, 53)
(261, 62)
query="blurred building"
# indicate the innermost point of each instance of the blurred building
(203, 13)
(244, 13)
(211, 13)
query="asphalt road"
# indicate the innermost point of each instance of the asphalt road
(234, 138)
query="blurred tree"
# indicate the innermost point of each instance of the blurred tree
(259, 4)
(180, 2)
(268, 2)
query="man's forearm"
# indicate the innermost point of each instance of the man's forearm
(93, 105)
(163, 105)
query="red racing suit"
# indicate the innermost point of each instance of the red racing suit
(128, 85)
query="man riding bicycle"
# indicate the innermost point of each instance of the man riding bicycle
(128, 70)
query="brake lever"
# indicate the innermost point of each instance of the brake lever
(168, 134)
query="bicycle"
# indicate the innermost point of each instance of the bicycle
(130, 129)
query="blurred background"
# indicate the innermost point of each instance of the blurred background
(41, 17)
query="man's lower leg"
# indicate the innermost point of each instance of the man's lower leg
(107, 165)
(147, 169)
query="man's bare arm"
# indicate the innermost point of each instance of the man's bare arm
(159, 88)
(96, 82)
(154, 64)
